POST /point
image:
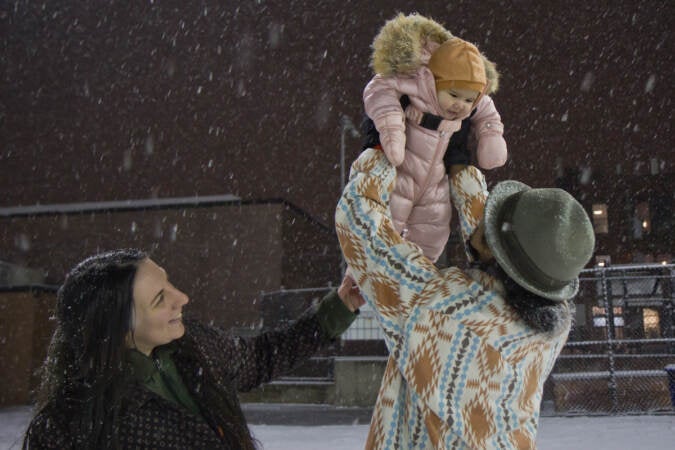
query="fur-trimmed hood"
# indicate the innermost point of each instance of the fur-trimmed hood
(405, 43)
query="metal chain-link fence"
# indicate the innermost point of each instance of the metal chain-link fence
(620, 345)
(615, 360)
(280, 307)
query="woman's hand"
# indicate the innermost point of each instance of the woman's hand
(350, 294)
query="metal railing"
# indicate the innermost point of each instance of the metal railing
(281, 306)
(615, 358)
(622, 340)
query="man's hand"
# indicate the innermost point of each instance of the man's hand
(350, 294)
(478, 242)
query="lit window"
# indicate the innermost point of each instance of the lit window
(651, 323)
(600, 316)
(642, 222)
(600, 223)
(603, 260)
(663, 258)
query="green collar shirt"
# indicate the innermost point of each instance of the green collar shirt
(159, 374)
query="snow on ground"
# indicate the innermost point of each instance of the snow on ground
(555, 433)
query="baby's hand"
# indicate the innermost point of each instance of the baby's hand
(491, 150)
(393, 144)
(392, 136)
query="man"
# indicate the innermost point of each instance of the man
(469, 349)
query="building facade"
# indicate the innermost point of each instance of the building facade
(155, 100)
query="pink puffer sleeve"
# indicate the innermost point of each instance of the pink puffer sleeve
(488, 130)
(381, 101)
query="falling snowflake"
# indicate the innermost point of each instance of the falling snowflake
(651, 81)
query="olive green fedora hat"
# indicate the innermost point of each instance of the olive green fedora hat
(541, 238)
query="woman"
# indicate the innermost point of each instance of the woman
(124, 371)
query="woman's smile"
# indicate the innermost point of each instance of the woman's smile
(177, 319)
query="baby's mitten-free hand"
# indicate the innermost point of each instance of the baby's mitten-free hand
(491, 151)
(391, 127)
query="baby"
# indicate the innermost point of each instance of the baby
(428, 95)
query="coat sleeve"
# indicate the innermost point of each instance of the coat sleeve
(382, 105)
(381, 98)
(46, 432)
(251, 361)
(395, 278)
(488, 131)
(468, 192)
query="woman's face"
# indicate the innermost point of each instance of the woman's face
(158, 309)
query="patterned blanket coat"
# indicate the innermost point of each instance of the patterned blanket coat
(465, 371)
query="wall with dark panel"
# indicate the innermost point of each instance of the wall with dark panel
(119, 100)
(222, 256)
(25, 332)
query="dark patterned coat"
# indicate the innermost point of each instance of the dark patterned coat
(214, 365)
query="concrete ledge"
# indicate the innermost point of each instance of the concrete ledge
(357, 380)
(304, 414)
(291, 392)
(356, 383)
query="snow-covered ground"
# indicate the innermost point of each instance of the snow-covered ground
(555, 433)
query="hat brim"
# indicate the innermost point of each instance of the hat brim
(493, 208)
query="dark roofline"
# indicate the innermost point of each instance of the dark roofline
(69, 209)
(304, 213)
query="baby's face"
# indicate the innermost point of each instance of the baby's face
(456, 103)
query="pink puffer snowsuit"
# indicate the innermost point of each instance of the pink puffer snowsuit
(420, 203)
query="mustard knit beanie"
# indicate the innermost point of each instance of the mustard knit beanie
(457, 63)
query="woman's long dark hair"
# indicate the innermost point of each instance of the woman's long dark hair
(84, 375)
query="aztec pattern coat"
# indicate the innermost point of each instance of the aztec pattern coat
(420, 203)
(214, 366)
(465, 370)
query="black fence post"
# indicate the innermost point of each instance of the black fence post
(609, 323)
(668, 287)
